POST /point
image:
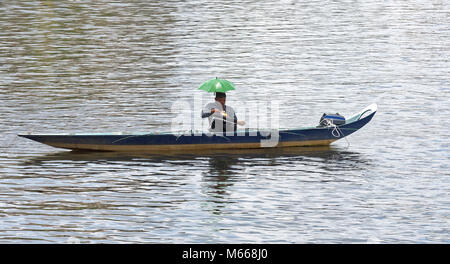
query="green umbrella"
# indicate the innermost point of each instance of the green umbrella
(217, 85)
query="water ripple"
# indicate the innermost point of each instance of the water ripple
(81, 66)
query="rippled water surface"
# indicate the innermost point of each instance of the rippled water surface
(100, 66)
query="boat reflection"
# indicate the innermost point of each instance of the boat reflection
(220, 161)
(220, 169)
(231, 166)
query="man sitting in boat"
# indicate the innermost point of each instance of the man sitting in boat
(222, 118)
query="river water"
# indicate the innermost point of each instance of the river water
(101, 66)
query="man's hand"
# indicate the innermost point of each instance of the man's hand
(241, 122)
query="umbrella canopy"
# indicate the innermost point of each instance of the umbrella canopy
(217, 85)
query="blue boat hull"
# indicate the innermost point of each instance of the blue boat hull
(245, 139)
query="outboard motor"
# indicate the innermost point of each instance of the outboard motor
(329, 119)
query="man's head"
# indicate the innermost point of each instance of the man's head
(221, 98)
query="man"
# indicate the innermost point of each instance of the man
(222, 118)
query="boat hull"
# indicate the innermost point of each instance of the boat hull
(182, 147)
(246, 139)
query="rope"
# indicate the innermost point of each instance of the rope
(336, 132)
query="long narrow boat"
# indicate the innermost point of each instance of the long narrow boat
(241, 139)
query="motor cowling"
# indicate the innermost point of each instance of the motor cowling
(328, 119)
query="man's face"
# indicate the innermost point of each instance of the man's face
(221, 100)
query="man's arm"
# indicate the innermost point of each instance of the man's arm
(208, 113)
